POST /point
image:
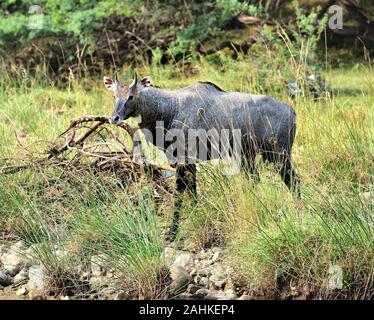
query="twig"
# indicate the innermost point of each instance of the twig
(76, 145)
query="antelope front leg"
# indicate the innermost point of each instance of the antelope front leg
(137, 156)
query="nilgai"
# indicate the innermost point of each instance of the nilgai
(266, 126)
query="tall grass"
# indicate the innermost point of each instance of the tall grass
(68, 220)
(280, 247)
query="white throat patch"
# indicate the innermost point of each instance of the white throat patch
(138, 119)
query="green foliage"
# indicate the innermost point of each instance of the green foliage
(209, 20)
(66, 18)
(307, 34)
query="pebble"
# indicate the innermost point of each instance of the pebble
(5, 279)
(192, 288)
(36, 278)
(186, 260)
(180, 280)
(201, 293)
(22, 276)
(21, 292)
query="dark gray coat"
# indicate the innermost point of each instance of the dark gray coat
(267, 125)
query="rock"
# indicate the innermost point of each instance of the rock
(229, 270)
(22, 292)
(5, 279)
(121, 296)
(204, 272)
(203, 281)
(22, 276)
(192, 288)
(230, 285)
(220, 284)
(36, 278)
(193, 272)
(185, 296)
(19, 246)
(244, 297)
(218, 277)
(217, 249)
(185, 260)
(169, 255)
(14, 260)
(180, 279)
(201, 293)
(97, 268)
(36, 295)
(220, 295)
(216, 256)
(197, 279)
(230, 296)
(205, 255)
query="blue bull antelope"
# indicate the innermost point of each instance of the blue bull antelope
(267, 126)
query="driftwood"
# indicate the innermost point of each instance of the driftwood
(78, 151)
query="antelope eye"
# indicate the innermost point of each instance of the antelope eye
(130, 98)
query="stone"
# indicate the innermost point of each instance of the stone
(21, 277)
(204, 272)
(220, 284)
(97, 268)
(197, 279)
(206, 255)
(36, 295)
(201, 293)
(169, 255)
(185, 296)
(180, 279)
(230, 270)
(13, 262)
(217, 249)
(244, 297)
(19, 246)
(120, 296)
(5, 279)
(22, 292)
(220, 295)
(218, 277)
(216, 256)
(203, 281)
(230, 296)
(193, 272)
(37, 279)
(192, 288)
(185, 260)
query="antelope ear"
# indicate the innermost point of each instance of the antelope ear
(146, 82)
(109, 83)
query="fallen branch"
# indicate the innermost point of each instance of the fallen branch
(83, 153)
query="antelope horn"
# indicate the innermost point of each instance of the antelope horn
(135, 80)
(116, 77)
